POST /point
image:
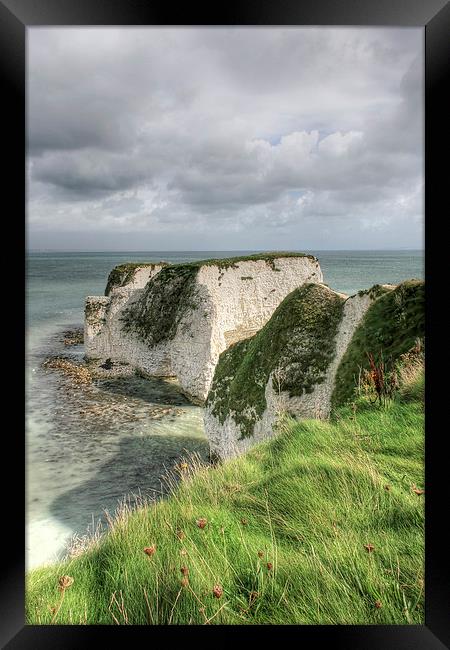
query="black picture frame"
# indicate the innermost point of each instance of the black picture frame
(434, 16)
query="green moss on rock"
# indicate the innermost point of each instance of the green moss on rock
(268, 257)
(375, 292)
(168, 296)
(298, 340)
(124, 273)
(92, 308)
(391, 325)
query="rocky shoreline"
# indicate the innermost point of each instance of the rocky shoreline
(104, 393)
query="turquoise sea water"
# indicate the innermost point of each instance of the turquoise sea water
(87, 448)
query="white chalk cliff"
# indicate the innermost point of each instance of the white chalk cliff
(175, 320)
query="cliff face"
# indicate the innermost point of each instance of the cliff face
(102, 313)
(132, 275)
(305, 359)
(176, 320)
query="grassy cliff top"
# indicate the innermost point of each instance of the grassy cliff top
(124, 273)
(320, 525)
(268, 257)
(297, 342)
(390, 327)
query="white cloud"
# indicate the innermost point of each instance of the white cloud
(340, 144)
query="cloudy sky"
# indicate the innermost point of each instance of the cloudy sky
(225, 139)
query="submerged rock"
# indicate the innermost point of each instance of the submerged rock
(174, 321)
(78, 373)
(73, 336)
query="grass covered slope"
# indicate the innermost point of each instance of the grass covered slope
(391, 326)
(298, 341)
(320, 525)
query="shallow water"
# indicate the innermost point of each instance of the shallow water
(88, 446)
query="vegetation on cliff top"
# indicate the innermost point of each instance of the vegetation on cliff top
(376, 291)
(298, 343)
(390, 327)
(268, 257)
(321, 525)
(171, 294)
(124, 273)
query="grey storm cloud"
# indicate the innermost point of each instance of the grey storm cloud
(154, 130)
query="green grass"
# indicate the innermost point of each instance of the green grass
(297, 343)
(268, 257)
(392, 324)
(307, 501)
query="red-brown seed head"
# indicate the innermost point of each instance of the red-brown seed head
(184, 570)
(378, 604)
(369, 547)
(65, 582)
(217, 591)
(201, 523)
(150, 550)
(253, 596)
(269, 566)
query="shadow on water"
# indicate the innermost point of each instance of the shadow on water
(151, 390)
(136, 469)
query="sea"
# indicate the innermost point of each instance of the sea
(90, 448)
